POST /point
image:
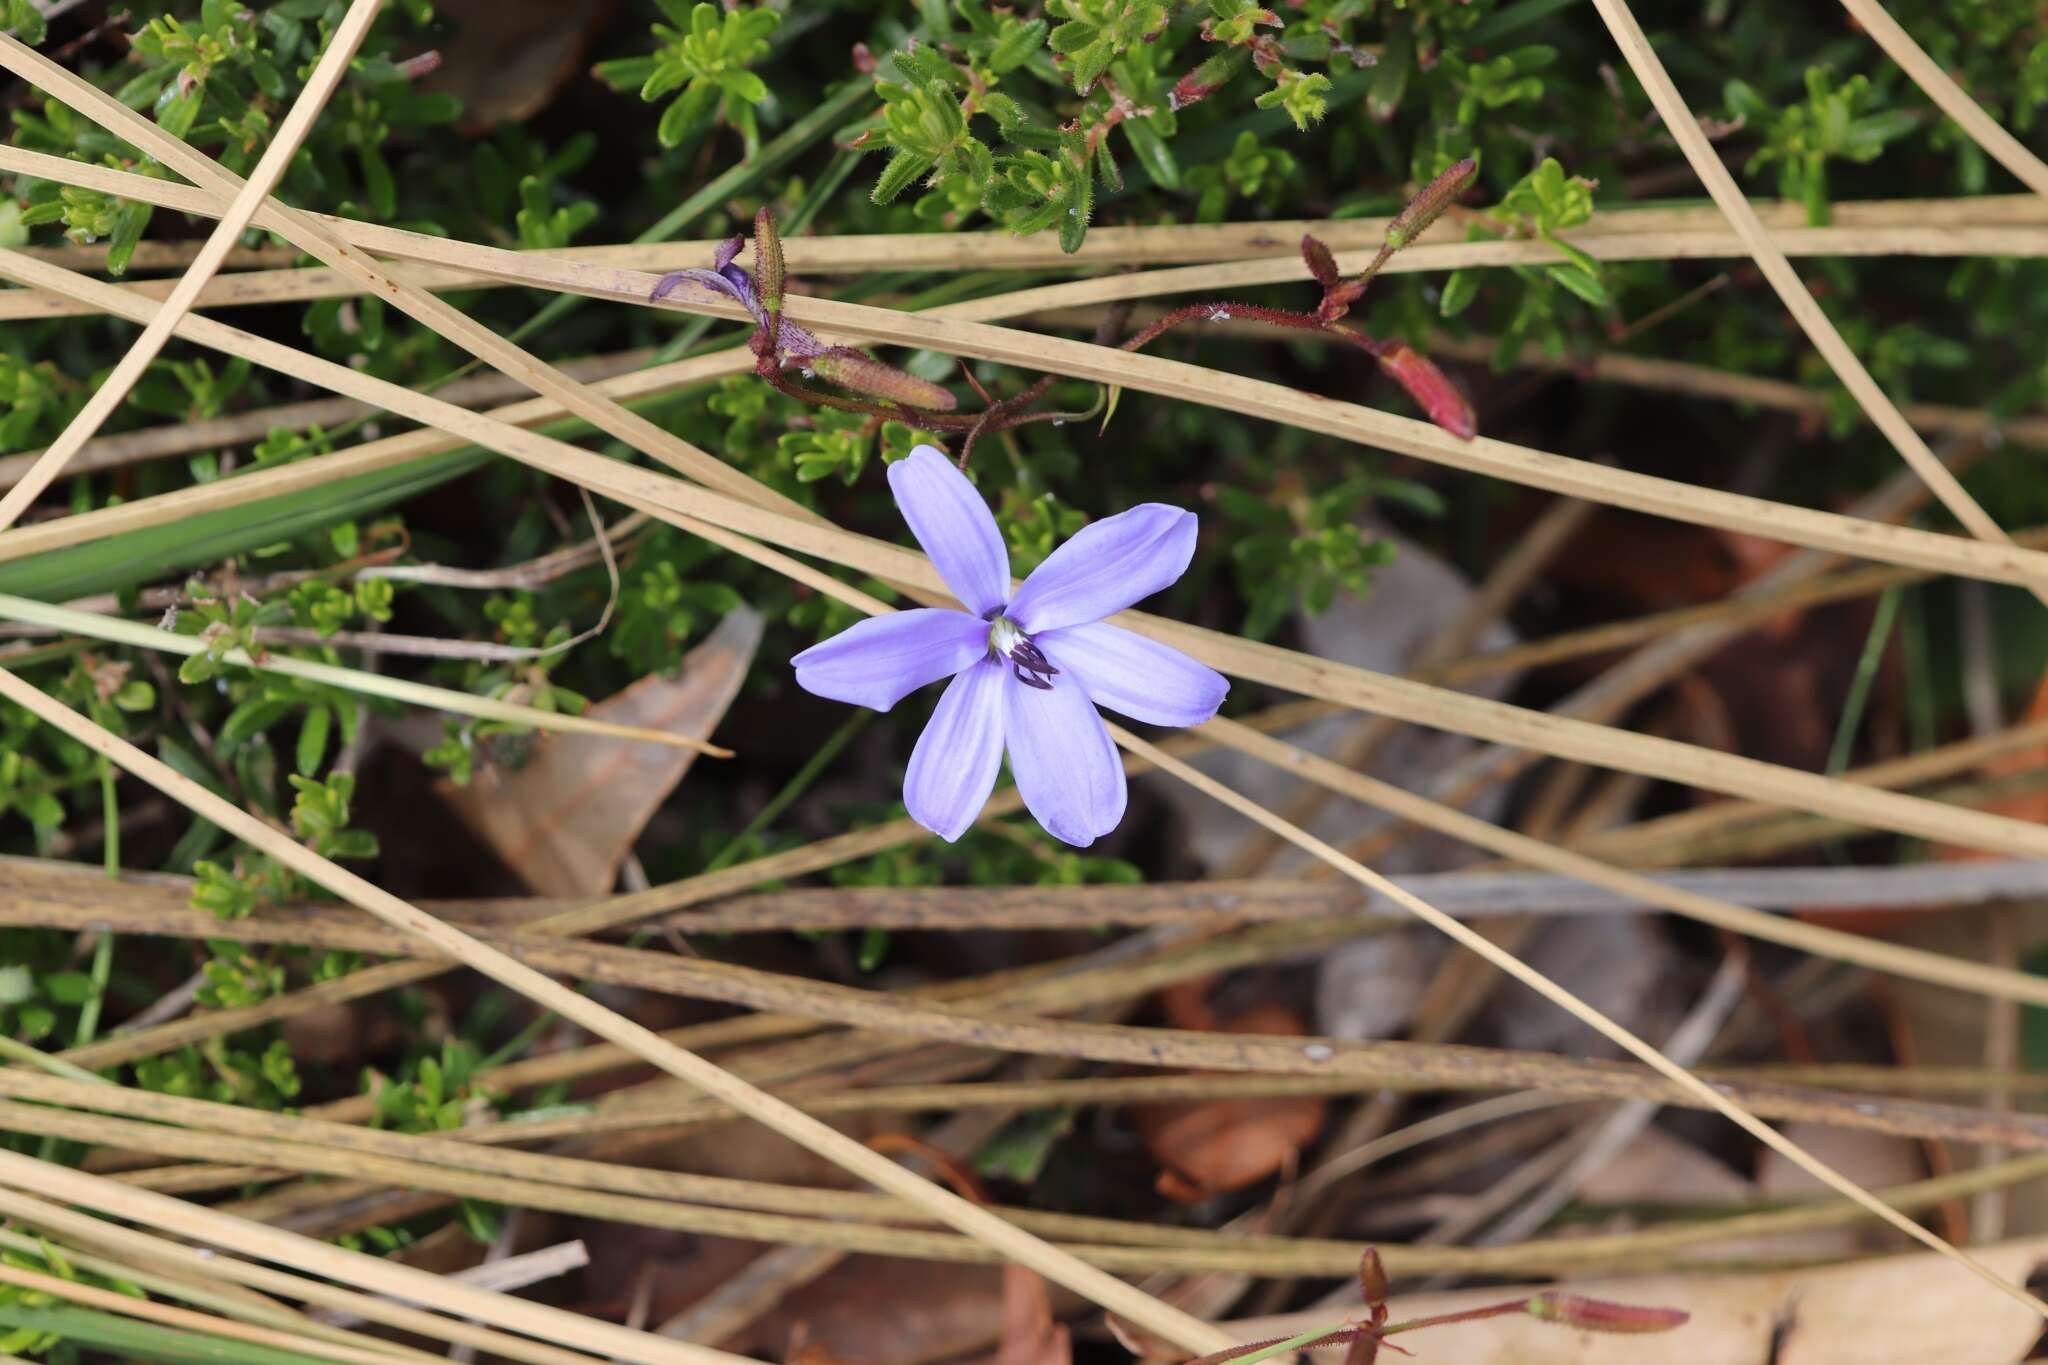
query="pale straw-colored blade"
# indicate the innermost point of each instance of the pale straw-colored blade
(277, 157)
(1106, 1290)
(1798, 300)
(2007, 150)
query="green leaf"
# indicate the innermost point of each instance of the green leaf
(1070, 38)
(903, 170)
(691, 111)
(1579, 282)
(17, 984)
(313, 735)
(68, 988)
(148, 554)
(127, 1339)
(1153, 153)
(1459, 291)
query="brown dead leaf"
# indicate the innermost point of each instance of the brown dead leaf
(566, 820)
(505, 59)
(1208, 1147)
(874, 1310)
(1030, 1336)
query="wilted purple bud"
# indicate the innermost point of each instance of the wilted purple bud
(727, 279)
(1428, 206)
(1597, 1315)
(768, 271)
(1431, 389)
(791, 341)
(850, 369)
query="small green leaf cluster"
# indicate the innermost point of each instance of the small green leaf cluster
(1067, 96)
(435, 1093)
(704, 62)
(1297, 553)
(262, 1077)
(320, 819)
(1542, 205)
(1836, 121)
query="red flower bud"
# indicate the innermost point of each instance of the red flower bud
(1431, 389)
(1597, 1315)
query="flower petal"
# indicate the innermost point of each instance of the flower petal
(953, 524)
(1106, 567)
(880, 661)
(1064, 760)
(1135, 676)
(953, 768)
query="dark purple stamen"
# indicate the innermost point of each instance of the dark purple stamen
(1030, 666)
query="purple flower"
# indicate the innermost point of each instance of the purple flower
(1028, 671)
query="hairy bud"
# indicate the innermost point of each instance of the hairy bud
(1428, 206)
(768, 271)
(1321, 264)
(1431, 389)
(1598, 1315)
(850, 369)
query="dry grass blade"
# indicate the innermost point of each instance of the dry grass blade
(716, 516)
(1985, 225)
(792, 1123)
(243, 428)
(1408, 436)
(351, 679)
(164, 1315)
(958, 334)
(1938, 86)
(112, 391)
(990, 1014)
(52, 893)
(1706, 163)
(218, 1295)
(1704, 381)
(1564, 999)
(1957, 973)
(208, 1266)
(309, 283)
(304, 231)
(47, 1179)
(849, 1220)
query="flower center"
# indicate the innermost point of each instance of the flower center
(1027, 661)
